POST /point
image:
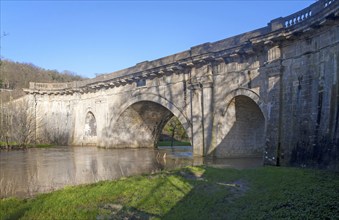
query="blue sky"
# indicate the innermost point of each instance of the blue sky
(94, 37)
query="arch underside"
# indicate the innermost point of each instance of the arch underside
(140, 125)
(242, 133)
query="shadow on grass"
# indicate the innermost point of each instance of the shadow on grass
(262, 193)
(14, 209)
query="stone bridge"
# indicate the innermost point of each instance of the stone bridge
(272, 92)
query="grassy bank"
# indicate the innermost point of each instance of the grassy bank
(175, 143)
(42, 145)
(14, 145)
(191, 193)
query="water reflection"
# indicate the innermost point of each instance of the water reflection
(25, 173)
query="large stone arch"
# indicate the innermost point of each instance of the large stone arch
(241, 127)
(145, 113)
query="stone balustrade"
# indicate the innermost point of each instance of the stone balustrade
(47, 86)
(298, 17)
(308, 12)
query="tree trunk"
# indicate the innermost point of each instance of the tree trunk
(172, 139)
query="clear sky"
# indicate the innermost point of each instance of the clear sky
(89, 37)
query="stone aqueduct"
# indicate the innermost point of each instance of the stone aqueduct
(272, 92)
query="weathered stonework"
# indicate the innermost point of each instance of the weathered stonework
(271, 92)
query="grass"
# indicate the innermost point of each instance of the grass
(175, 143)
(15, 145)
(2, 143)
(191, 193)
(42, 146)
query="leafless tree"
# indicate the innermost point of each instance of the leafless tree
(18, 123)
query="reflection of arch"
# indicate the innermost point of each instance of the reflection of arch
(241, 127)
(90, 125)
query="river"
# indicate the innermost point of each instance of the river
(24, 173)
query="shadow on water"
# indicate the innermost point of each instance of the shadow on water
(26, 173)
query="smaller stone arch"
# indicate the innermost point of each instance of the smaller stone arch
(245, 92)
(90, 125)
(90, 129)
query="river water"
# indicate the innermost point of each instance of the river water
(24, 173)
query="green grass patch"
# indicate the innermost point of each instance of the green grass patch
(175, 143)
(191, 193)
(2, 143)
(16, 145)
(42, 146)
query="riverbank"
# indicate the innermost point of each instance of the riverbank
(15, 146)
(191, 193)
(175, 143)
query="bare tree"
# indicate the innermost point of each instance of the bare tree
(4, 126)
(18, 123)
